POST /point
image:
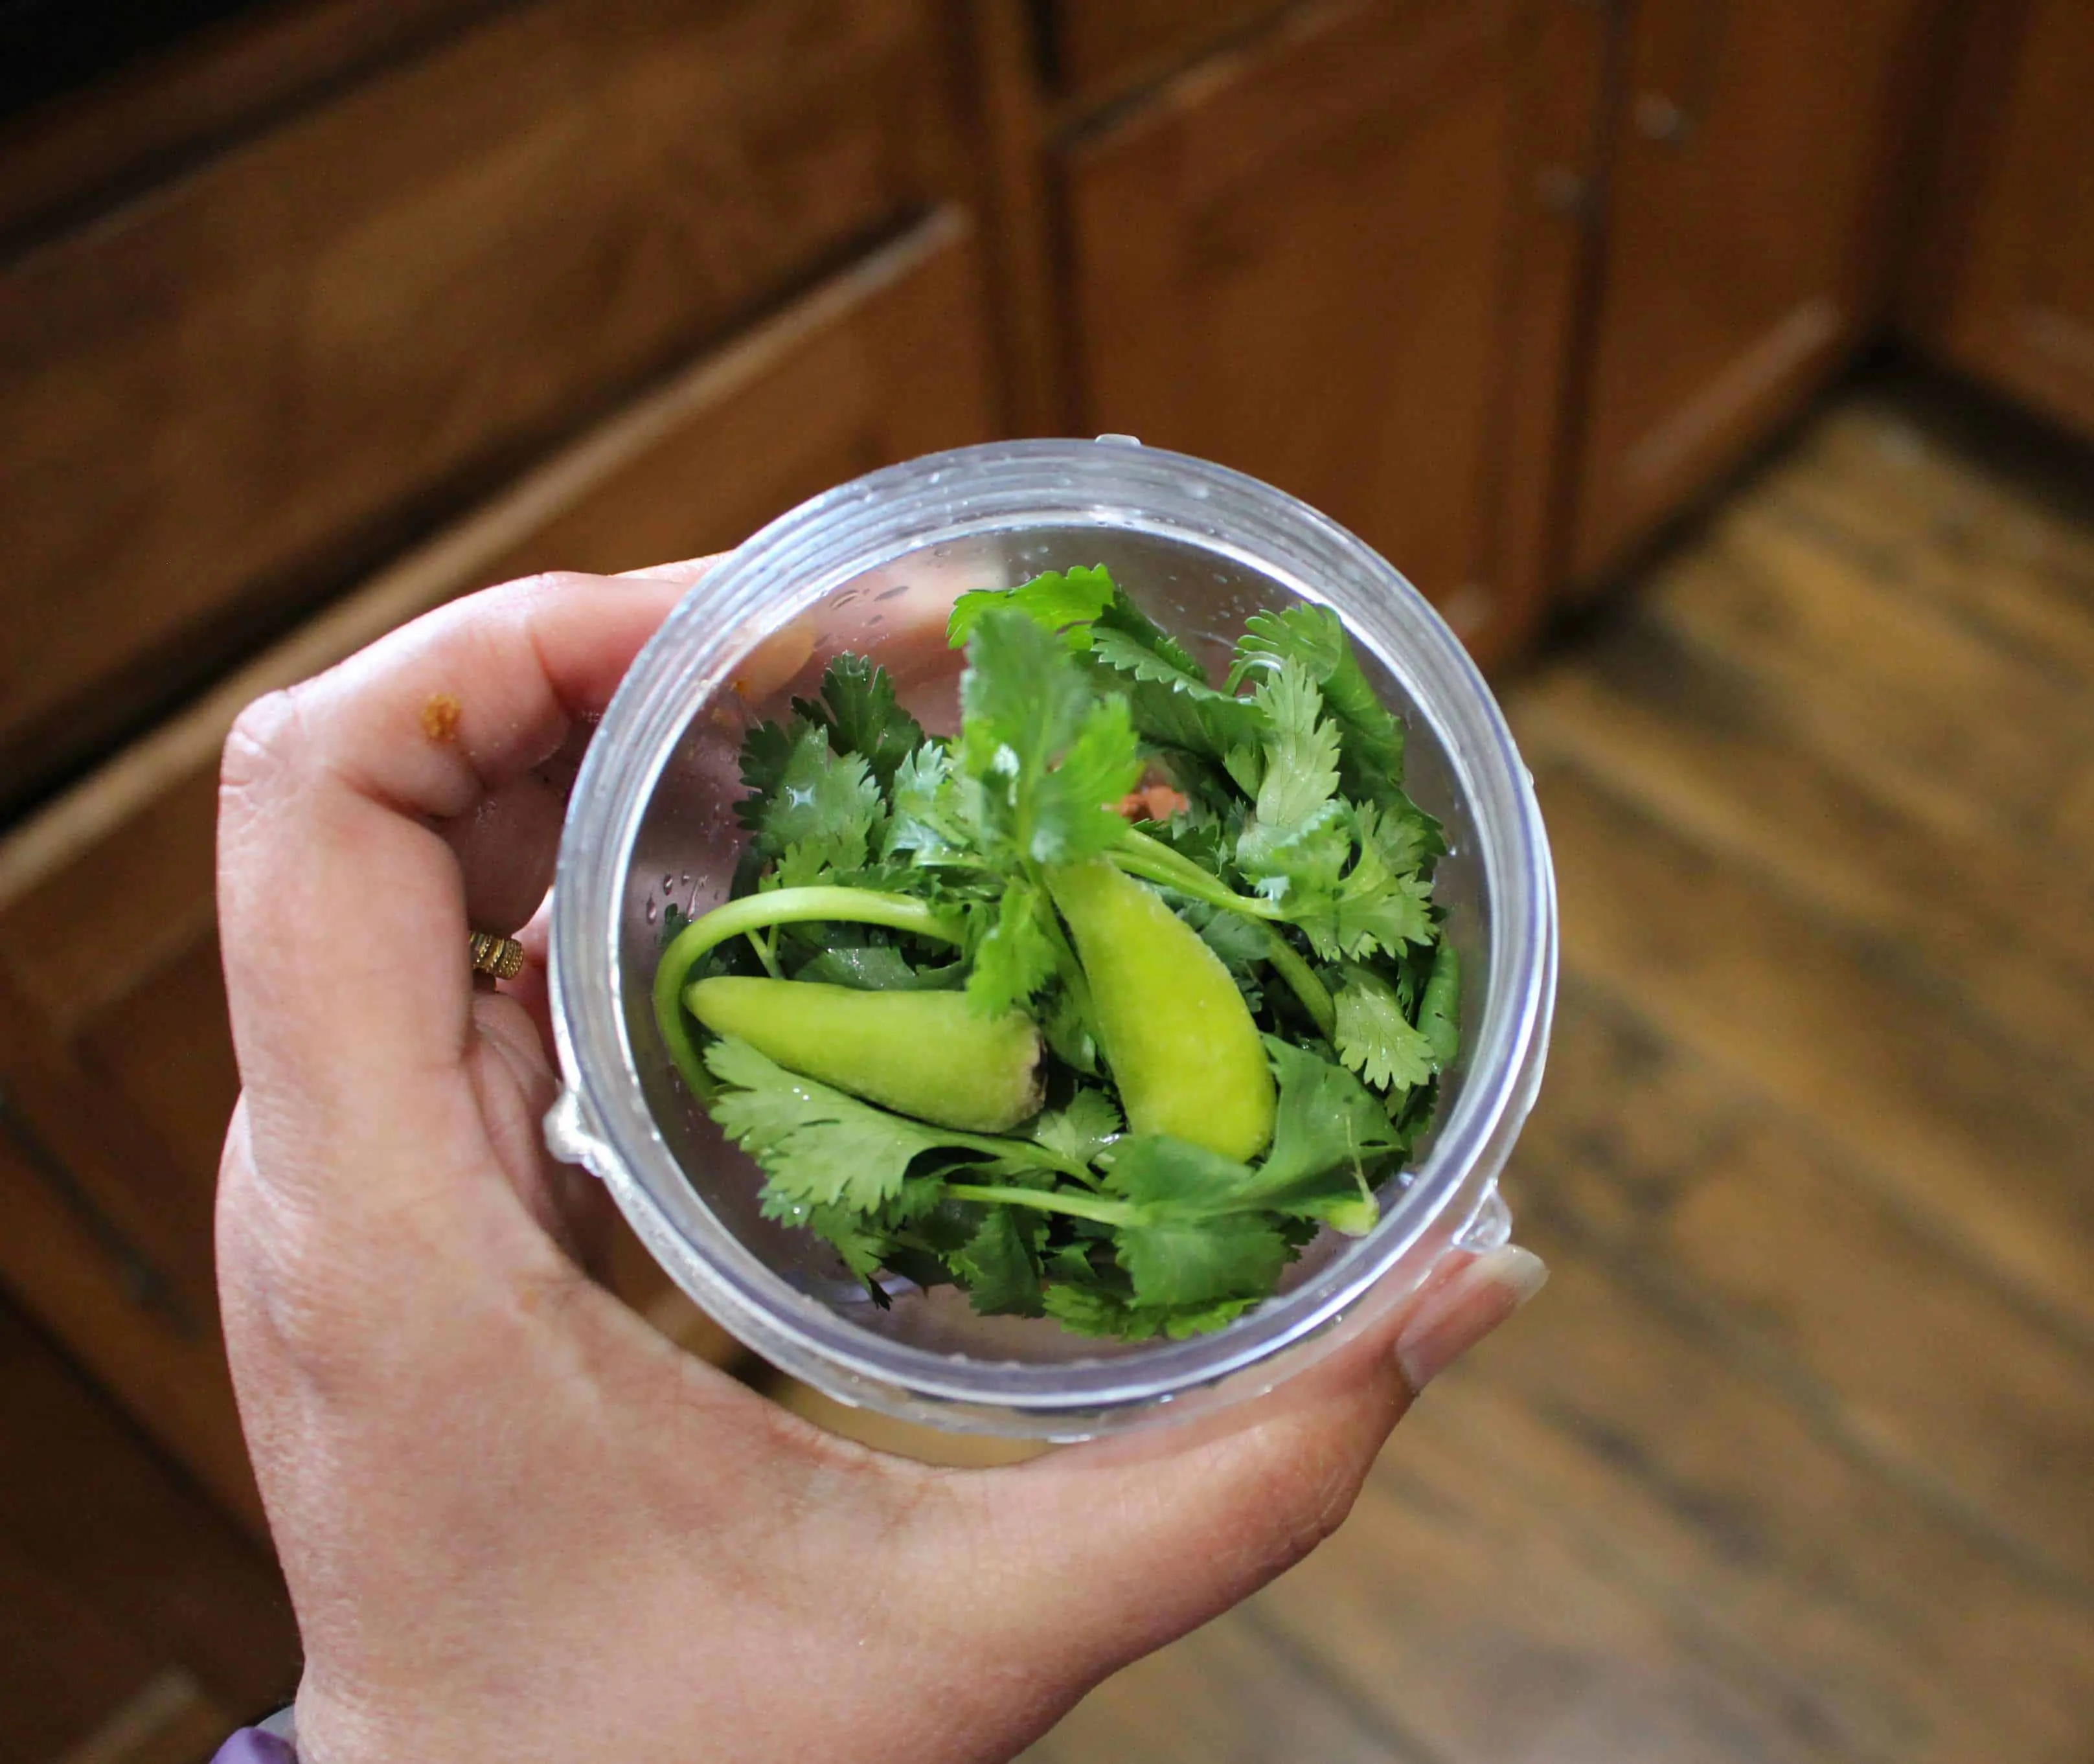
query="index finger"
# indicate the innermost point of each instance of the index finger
(341, 907)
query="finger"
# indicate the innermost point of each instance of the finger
(342, 905)
(529, 987)
(507, 842)
(1130, 1543)
(686, 572)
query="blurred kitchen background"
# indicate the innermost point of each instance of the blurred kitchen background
(1724, 370)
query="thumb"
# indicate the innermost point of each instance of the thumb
(1127, 1544)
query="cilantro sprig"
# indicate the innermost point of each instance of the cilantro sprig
(884, 861)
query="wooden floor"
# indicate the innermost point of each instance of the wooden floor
(1794, 1457)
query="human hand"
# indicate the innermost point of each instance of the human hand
(516, 1524)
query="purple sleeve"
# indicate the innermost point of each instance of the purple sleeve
(251, 1745)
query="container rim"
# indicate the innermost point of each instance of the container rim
(789, 566)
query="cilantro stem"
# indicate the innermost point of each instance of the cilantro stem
(1093, 1207)
(1020, 1151)
(1301, 979)
(1153, 861)
(754, 912)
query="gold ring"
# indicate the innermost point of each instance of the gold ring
(497, 955)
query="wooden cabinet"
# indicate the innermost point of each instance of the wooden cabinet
(116, 1070)
(2004, 285)
(1095, 47)
(1752, 187)
(228, 397)
(1323, 257)
(135, 1621)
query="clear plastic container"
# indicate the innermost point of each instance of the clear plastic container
(872, 566)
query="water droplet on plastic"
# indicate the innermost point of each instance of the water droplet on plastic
(652, 913)
(668, 882)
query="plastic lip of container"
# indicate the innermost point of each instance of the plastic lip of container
(1200, 546)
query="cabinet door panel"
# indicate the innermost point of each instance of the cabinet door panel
(114, 1052)
(1306, 258)
(1747, 217)
(1099, 45)
(2011, 264)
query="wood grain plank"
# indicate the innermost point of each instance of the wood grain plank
(1227, 1694)
(1896, 693)
(1897, 1349)
(1599, 1538)
(1990, 521)
(1458, 1605)
(1699, 744)
(1944, 1120)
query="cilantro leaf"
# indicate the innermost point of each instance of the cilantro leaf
(1129, 654)
(1314, 639)
(1300, 867)
(1370, 910)
(1439, 1009)
(1091, 1310)
(1329, 1126)
(1200, 1261)
(1242, 942)
(928, 822)
(1160, 1173)
(1375, 1039)
(1049, 757)
(1404, 836)
(859, 710)
(1069, 1034)
(863, 1249)
(766, 752)
(1300, 774)
(877, 967)
(1081, 1131)
(1053, 602)
(1121, 617)
(1328, 1129)
(818, 1148)
(1016, 957)
(998, 1268)
(823, 802)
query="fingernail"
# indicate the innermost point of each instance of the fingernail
(1456, 1317)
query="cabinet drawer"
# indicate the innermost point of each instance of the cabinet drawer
(223, 399)
(114, 1046)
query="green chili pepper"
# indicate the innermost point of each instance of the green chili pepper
(928, 1054)
(1184, 1053)
(757, 912)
